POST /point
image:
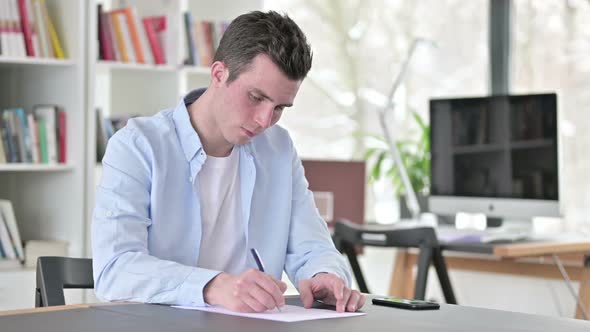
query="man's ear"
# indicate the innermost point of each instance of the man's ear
(219, 73)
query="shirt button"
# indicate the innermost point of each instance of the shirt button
(109, 214)
(190, 179)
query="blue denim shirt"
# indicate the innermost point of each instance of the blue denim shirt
(146, 227)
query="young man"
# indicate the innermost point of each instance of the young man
(186, 193)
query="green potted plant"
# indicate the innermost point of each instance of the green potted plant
(415, 155)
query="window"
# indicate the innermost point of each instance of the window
(359, 47)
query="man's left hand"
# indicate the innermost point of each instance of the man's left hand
(330, 289)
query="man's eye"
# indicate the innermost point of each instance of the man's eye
(279, 109)
(255, 98)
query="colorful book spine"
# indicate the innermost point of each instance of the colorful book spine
(26, 26)
(7, 212)
(151, 32)
(43, 141)
(3, 159)
(190, 39)
(40, 27)
(105, 40)
(57, 49)
(33, 132)
(26, 137)
(134, 34)
(61, 134)
(119, 38)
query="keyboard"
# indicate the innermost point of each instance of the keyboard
(449, 234)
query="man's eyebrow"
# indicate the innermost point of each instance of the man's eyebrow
(263, 95)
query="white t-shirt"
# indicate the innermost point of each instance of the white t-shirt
(223, 241)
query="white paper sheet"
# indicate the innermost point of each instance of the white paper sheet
(290, 313)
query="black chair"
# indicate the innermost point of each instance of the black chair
(347, 235)
(56, 273)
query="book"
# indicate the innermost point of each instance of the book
(9, 144)
(14, 27)
(134, 34)
(190, 39)
(14, 135)
(2, 153)
(34, 32)
(155, 27)
(118, 25)
(143, 40)
(5, 241)
(57, 49)
(110, 30)
(120, 16)
(101, 137)
(48, 114)
(42, 32)
(61, 136)
(26, 26)
(34, 132)
(7, 212)
(104, 48)
(43, 150)
(26, 137)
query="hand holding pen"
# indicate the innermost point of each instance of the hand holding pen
(250, 291)
(260, 265)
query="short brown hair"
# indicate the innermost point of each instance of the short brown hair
(272, 34)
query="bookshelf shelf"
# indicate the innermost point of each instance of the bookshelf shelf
(111, 65)
(20, 268)
(103, 66)
(196, 70)
(4, 60)
(23, 167)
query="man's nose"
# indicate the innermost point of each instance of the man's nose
(263, 117)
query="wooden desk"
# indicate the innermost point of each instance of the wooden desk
(529, 259)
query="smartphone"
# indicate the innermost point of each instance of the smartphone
(405, 303)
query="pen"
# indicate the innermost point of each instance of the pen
(260, 264)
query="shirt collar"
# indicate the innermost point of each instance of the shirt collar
(189, 139)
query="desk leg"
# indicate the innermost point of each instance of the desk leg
(584, 292)
(402, 279)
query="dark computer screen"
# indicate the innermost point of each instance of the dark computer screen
(499, 146)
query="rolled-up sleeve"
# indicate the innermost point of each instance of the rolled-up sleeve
(310, 249)
(124, 270)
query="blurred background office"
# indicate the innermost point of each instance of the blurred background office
(542, 46)
(86, 67)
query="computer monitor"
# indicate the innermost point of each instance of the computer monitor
(495, 155)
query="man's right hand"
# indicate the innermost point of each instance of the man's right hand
(251, 291)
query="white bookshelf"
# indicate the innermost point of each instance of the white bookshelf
(49, 199)
(55, 202)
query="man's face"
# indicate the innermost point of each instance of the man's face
(254, 101)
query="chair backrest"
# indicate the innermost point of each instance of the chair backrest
(385, 235)
(56, 273)
(345, 181)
